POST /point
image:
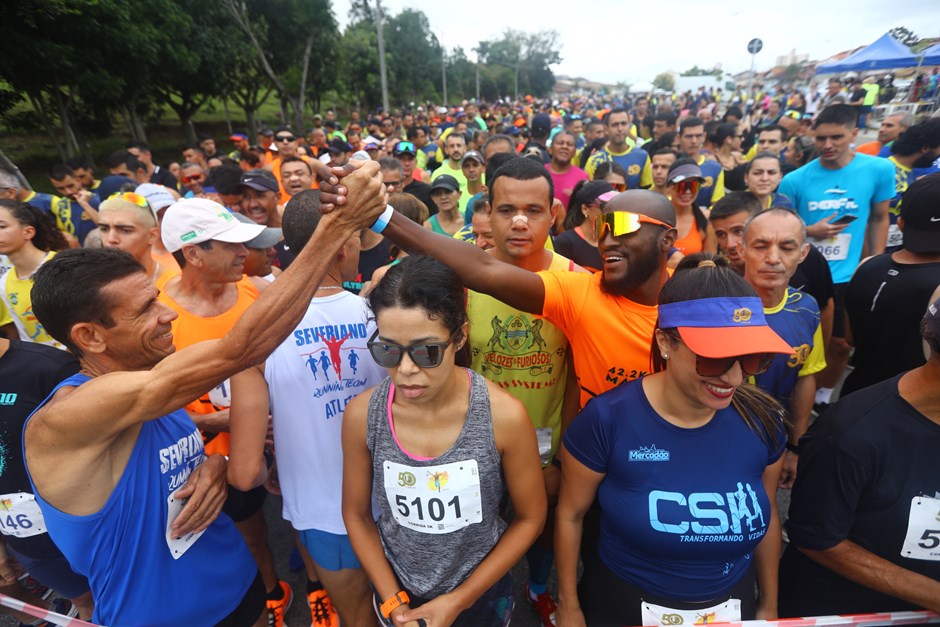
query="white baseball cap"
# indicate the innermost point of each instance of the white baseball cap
(195, 220)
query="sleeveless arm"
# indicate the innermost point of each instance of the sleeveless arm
(101, 409)
(357, 500)
(248, 427)
(481, 272)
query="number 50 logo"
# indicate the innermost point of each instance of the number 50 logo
(406, 479)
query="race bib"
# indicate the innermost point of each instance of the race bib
(834, 248)
(727, 612)
(544, 436)
(895, 236)
(923, 530)
(178, 546)
(221, 395)
(434, 499)
(20, 515)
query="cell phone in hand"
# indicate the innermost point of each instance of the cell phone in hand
(846, 219)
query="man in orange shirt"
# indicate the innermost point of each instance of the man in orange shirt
(608, 317)
(891, 128)
(209, 296)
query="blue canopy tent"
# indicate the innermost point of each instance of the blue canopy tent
(884, 54)
(931, 56)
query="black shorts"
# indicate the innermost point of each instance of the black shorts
(249, 610)
(609, 601)
(241, 506)
(838, 316)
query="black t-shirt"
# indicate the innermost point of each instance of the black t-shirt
(162, 176)
(28, 374)
(865, 466)
(369, 261)
(814, 277)
(571, 245)
(885, 301)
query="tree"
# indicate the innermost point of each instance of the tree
(290, 38)
(413, 56)
(905, 35)
(530, 57)
(664, 81)
(697, 71)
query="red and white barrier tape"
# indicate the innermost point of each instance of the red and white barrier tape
(38, 612)
(887, 618)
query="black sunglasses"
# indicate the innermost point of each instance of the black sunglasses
(751, 365)
(285, 138)
(425, 355)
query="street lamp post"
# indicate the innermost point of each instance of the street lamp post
(381, 42)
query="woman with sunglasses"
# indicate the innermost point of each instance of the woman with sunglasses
(727, 139)
(577, 242)
(684, 463)
(437, 445)
(29, 238)
(762, 176)
(683, 182)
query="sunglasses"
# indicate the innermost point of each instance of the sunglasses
(404, 147)
(688, 186)
(285, 138)
(192, 179)
(620, 187)
(751, 365)
(427, 355)
(131, 197)
(619, 223)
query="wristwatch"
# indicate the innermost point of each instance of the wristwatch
(793, 448)
(389, 604)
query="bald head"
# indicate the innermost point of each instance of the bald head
(644, 202)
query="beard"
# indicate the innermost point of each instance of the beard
(639, 271)
(925, 161)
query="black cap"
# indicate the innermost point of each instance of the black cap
(338, 146)
(445, 181)
(259, 180)
(920, 209)
(266, 132)
(541, 125)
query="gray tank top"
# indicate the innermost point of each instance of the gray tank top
(438, 517)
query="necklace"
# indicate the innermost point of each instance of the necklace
(330, 287)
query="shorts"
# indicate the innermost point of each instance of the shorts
(838, 316)
(607, 600)
(492, 609)
(54, 572)
(252, 604)
(241, 506)
(331, 551)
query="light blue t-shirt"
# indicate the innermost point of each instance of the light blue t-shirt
(818, 192)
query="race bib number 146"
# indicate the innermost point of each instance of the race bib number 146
(434, 499)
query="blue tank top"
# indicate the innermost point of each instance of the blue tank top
(135, 576)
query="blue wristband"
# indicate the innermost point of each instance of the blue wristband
(383, 220)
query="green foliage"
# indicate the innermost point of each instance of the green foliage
(664, 81)
(697, 71)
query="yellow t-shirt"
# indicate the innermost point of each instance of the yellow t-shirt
(610, 336)
(525, 355)
(16, 300)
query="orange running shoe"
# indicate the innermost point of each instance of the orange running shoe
(277, 609)
(321, 609)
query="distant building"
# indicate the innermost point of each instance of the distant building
(792, 59)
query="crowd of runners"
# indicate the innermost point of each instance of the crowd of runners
(597, 335)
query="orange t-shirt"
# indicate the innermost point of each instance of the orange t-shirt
(691, 242)
(610, 336)
(871, 148)
(276, 168)
(189, 329)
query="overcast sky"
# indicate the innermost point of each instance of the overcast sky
(616, 40)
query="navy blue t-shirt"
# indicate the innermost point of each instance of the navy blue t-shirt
(682, 510)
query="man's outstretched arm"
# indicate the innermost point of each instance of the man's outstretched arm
(481, 272)
(111, 403)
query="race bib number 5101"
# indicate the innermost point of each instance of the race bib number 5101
(434, 499)
(922, 541)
